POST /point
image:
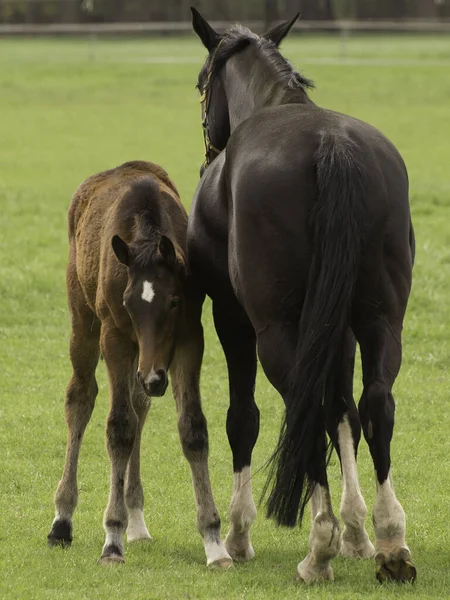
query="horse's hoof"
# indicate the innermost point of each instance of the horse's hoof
(363, 550)
(395, 566)
(221, 563)
(111, 555)
(307, 574)
(141, 537)
(137, 529)
(60, 534)
(239, 549)
(241, 554)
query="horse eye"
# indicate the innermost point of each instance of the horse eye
(174, 302)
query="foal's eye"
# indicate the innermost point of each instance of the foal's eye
(174, 302)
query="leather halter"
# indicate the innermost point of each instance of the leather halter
(204, 100)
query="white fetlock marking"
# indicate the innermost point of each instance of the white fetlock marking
(388, 518)
(137, 530)
(242, 515)
(324, 542)
(353, 508)
(242, 508)
(216, 552)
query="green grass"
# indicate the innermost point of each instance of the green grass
(68, 109)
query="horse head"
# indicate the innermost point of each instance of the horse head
(153, 299)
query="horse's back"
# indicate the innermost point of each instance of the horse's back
(97, 213)
(272, 172)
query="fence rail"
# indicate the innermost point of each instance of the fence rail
(342, 26)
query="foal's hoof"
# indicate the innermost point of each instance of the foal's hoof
(221, 563)
(60, 534)
(111, 555)
(395, 566)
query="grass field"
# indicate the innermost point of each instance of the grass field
(70, 108)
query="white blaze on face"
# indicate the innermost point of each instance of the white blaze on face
(147, 291)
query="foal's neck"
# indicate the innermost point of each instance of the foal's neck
(251, 84)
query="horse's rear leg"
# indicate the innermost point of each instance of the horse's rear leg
(134, 494)
(380, 343)
(324, 537)
(192, 427)
(121, 430)
(239, 344)
(80, 398)
(344, 429)
(276, 349)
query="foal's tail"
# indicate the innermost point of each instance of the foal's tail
(336, 224)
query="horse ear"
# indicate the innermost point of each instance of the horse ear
(203, 29)
(121, 250)
(167, 250)
(279, 32)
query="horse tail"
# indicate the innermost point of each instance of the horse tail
(335, 225)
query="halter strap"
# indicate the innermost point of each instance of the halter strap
(204, 101)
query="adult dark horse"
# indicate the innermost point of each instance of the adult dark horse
(300, 232)
(131, 297)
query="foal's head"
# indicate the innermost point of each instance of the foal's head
(215, 113)
(153, 298)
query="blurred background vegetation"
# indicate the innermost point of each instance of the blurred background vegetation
(79, 11)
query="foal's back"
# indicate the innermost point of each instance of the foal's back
(102, 207)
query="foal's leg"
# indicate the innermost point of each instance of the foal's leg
(80, 398)
(134, 494)
(344, 429)
(121, 429)
(380, 343)
(239, 344)
(185, 375)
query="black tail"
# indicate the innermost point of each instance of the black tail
(336, 224)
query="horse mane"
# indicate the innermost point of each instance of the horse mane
(142, 203)
(238, 37)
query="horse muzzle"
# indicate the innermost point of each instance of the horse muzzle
(155, 384)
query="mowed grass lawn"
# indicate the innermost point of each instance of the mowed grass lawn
(70, 108)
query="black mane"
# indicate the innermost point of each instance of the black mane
(143, 203)
(237, 38)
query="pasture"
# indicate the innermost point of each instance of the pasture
(70, 108)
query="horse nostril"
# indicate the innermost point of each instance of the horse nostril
(139, 376)
(161, 375)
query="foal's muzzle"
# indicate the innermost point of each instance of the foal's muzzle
(155, 384)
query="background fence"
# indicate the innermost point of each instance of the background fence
(160, 11)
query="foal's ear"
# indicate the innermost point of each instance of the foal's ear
(203, 29)
(279, 32)
(167, 250)
(121, 250)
